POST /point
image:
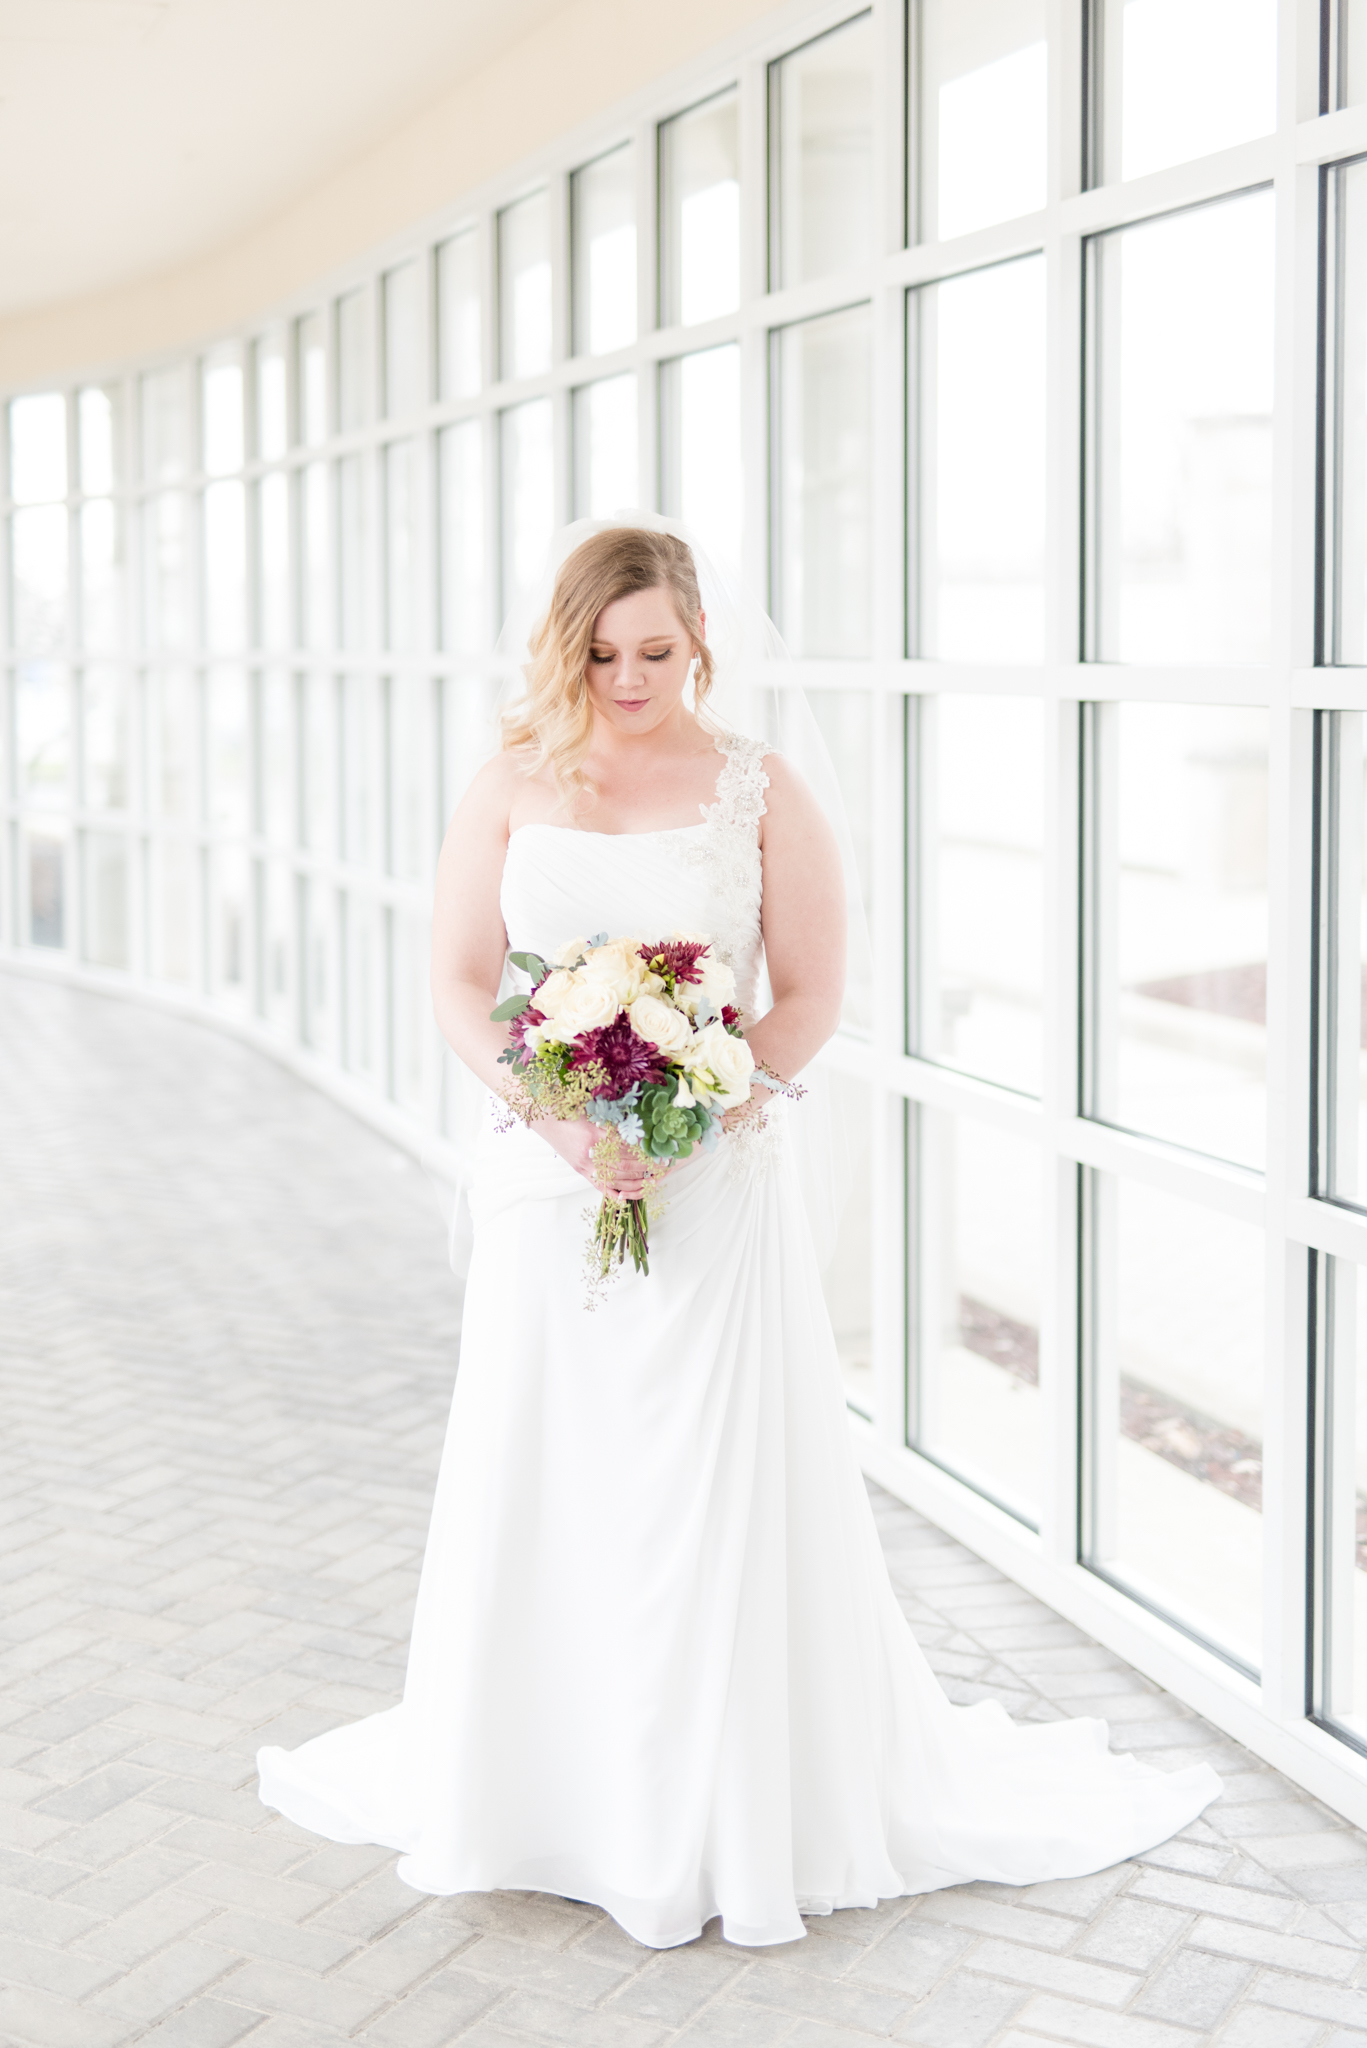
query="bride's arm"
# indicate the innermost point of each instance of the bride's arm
(468, 939)
(468, 948)
(804, 925)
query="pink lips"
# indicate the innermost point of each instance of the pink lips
(631, 703)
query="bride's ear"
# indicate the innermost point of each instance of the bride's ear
(702, 624)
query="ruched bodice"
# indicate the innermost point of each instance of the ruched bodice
(561, 884)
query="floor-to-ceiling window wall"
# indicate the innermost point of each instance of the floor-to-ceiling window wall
(1017, 353)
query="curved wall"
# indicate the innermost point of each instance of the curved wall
(593, 56)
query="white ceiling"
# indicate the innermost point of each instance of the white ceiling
(137, 133)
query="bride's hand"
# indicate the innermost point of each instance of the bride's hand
(574, 1139)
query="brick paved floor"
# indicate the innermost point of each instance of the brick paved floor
(227, 1336)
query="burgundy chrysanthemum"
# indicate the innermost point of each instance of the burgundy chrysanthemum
(730, 1016)
(519, 1026)
(680, 956)
(624, 1058)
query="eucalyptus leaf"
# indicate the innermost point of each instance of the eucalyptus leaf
(529, 963)
(513, 1007)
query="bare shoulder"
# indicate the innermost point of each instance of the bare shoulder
(489, 798)
(788, 797)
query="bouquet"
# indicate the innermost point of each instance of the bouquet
(642, 1038)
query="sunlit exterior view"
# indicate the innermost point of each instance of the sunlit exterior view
(990, 351)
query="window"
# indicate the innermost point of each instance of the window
(953, 329)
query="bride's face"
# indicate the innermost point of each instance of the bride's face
(639, 661)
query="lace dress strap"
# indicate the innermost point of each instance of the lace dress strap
(742, 782)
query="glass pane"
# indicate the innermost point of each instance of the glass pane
(984, 108)
(320, 764)
(174, 873)
(228, 870)
(524, 287)
(402, 342)
(701, 481)
(362, 742)
(1178, 924)
(1181, 427)
(225, 565)
(46, 888)
(364, 991)
(412, 1011)
(221, 402)
(228, 758)
(37, 448)
(98, 412)
(1342, 1171)
(313, 520)
(845, 719)
(528, 497)
(976, 1385)
(351, 361)
(468, 722)
(273, 516)
(1181, 78)
(312, 371)
(272, 397)
(105, 905)
(351, 550)
(166, 570)
(458, 316)
(412, 762)
(461, 482)
(605, 447)
(277, 945)
(821, 155)
(174, 767)
(39, 539)
(1176, 1412)
(166, 425)
(700, 212)
(278, 772)
(1341, 1625)
(104, 763)
(401, 543)
(980, 975)
(1347, 23)
(42, 731)
(603, 237)
(320, 965)
(101, 575)
(981, 449)
(823, 509)
(1346, 457)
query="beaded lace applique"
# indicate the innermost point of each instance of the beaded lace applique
(728, 851)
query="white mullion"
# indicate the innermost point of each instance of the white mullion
(752, 119)
(1059, 1362)
(1291, 858)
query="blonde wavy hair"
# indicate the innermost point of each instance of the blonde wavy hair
(553, 723)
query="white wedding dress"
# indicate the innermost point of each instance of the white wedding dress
(657, 1662)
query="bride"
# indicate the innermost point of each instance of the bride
(657, 1663)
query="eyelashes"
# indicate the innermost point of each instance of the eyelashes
(606, 660)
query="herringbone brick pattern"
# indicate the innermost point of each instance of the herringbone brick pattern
(227, 1336)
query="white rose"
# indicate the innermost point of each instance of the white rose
(586, 1005)
(660, 1024)
(720, 1066)
(620, 965)
(572, 950)
(717, 986)
(552, 992)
